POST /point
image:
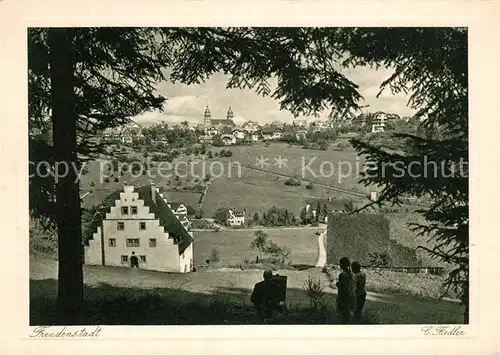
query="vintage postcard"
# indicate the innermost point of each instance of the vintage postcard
(213, 177)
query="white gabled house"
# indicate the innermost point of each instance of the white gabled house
(139, 223)
(236, 218)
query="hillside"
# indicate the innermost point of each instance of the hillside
(116, 296)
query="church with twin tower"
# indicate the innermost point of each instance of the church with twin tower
(210, 122)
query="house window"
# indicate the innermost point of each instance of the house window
(120, 226)
(112, 242)
(143, 258)
(133, 210)
(142, 226)
(124, 258)
(132, 242)
(152, 242)
(124, 210)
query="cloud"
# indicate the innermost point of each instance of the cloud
(187, 102)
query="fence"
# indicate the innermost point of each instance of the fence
(409, 270)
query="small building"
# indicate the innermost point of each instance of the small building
(250, 126)
(267, 133)
(379, 122)
(180, 212)
(277, 133)
(236, 218)
(138, 224)
(239, 133)
(301, 134)
(228, 139)
(255, 137)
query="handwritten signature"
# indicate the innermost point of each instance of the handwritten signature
(443, 330)
(57, 332)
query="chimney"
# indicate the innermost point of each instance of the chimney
(153, 192)
(373, 196)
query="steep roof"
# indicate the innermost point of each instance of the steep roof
(166, 217)
(174, 205)
(225, 122)
(160, 209)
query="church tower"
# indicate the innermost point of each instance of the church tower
(230, 113)
(207, 117)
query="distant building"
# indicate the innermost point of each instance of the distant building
(267, 133)
(301, 134)
(213, 127)
(180, 212)
(239, 133)
(228, 139)
(378, 124)
(331, 205)
(277, 133)
(300, 123)
(250, 126)
(255, 137)
(236, 218)
(140, 225)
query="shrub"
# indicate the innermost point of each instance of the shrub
(293, 182)
(310, 186)
(106, 179)
(214, 256)
(314, 291)
(379, 259)
(116, 179)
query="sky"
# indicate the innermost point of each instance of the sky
(188, 102)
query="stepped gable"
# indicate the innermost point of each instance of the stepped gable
(159, 208)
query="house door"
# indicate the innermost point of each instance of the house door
(134, 261)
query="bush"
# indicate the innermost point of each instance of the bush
(293, 182)
(379, 259)
(106, 179)
(116, 179)
(214, 256)
(314, 291)
(310, 186)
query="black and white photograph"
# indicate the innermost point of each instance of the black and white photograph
(229, 174)
(248, 175)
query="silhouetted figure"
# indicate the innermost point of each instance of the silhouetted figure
(360, 279)
(134, 261)
(266, 294)
(346, 298)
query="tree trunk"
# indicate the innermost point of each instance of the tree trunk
(70, 277)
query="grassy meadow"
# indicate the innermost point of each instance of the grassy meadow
(233, 246)
(344, 174)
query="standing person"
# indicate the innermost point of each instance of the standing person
(346, 299)
(360, 278)
(134, 261)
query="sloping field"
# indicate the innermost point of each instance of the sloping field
(132, 296)
(329, 167)
(258, 192)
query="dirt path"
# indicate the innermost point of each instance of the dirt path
(322, 250)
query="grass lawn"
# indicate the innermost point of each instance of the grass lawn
(234, 246)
